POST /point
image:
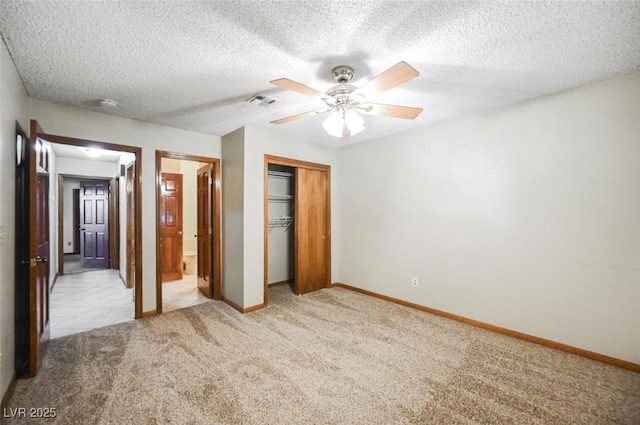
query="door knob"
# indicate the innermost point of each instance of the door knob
(43, 260)
(180, 232)
(82, 229)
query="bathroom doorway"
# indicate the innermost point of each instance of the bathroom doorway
(187, 230)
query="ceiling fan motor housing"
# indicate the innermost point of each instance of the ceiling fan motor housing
(340, 95)
(342, 74)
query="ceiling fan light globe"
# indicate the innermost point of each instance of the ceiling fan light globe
(348, 123)
(333, 124)
(355, 121)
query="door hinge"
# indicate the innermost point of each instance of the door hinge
(210, 180)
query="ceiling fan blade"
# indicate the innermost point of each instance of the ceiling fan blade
(288, 84)
(299, 116)
(395, 111)
(398, 74)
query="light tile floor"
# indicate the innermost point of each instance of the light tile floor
(83, 301)
(90, 300)
(181, 293)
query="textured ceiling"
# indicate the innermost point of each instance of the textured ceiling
(191, 64)
(78, 152)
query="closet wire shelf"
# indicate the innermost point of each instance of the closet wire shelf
(282, 221)
(285, 222)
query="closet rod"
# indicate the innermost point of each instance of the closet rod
(279, 174)
(282, 198)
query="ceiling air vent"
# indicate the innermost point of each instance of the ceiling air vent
(261, 100)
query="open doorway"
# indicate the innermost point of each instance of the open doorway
(113, 198)
(187, 230)
(91, 288)
(38, 241)
(87, 226)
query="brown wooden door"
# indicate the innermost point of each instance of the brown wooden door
(170, 221)
(94, 224)
(205, 230)
(39, 249)
(131, 246)
(312, 230)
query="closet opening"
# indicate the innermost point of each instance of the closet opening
(281, 230)
(297, 227)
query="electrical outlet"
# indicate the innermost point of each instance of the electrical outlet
(414, 282)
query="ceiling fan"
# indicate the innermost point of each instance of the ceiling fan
(345, 102)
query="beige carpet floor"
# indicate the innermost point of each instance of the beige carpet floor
(330, 357)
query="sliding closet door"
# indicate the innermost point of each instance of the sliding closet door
(312, 230)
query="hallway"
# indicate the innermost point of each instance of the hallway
(72, 264)
(90, 300)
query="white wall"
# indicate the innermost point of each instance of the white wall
(189, 171)
(87, 168)
(67, 210)
(525, 217)
(53, 215)
(257, 144)
(13, 107)
(72, 122)
(232, 167)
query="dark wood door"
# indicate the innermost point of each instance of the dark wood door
(131, 237)
(22, 257)
(94, 224)
(38, 260)
(42, 263)
(312, 230)
(205, 230)
(170, 221)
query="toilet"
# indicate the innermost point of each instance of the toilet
(190, 262)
